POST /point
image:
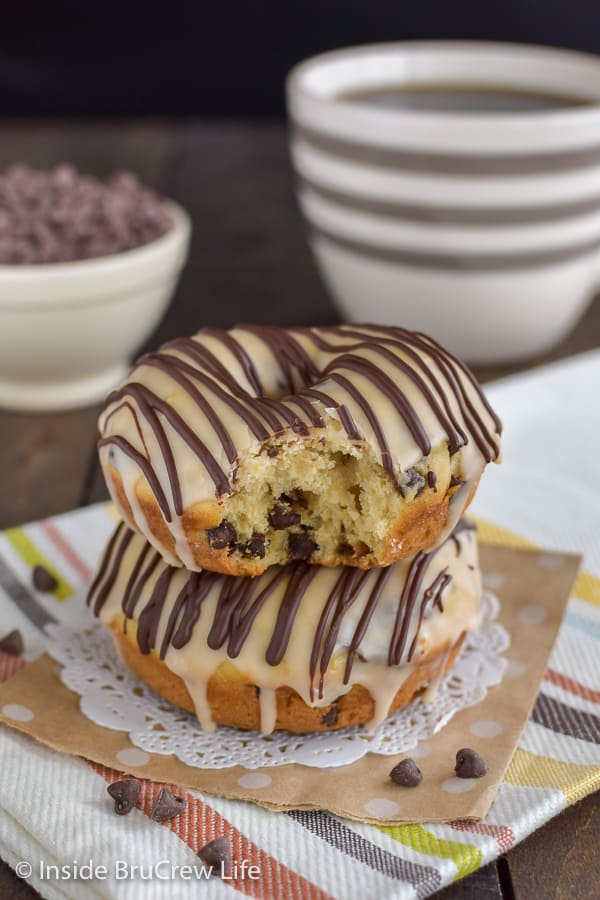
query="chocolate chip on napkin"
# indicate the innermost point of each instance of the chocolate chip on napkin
(167, 805)
(12, 643)
(217, 855)
(125, 794)
(43, 580)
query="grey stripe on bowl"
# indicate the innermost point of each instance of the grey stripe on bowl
(453, 215)
(476, 262)
(447, 163)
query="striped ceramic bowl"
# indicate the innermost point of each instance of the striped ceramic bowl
(481, 228)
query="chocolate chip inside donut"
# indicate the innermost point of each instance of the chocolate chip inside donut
(167, 806)
(12, 643)
(255, 548)
(125, 794)
(300, 546)
(455, 481)
(469, 764)
(432, 480)
(407, 773)
(295, 498)
(217, 855)
(280, 517)
(331, 716)
(224, 535)
(43, 580)
(299, 427)
(345, 549)
(414, 481)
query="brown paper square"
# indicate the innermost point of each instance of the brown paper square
(533, 587)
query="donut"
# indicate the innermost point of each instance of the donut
(300, 647)
(353, 445)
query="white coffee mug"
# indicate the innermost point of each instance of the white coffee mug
(480, 228)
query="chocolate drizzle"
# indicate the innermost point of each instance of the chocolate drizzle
(293, 396)
(462, 526)
(239, 600)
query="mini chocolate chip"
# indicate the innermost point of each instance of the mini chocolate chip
(331, 716)
(345, 548)
(296, 498)
(299, 427)
(12, 643)
(222, 536)
(420, 485)
(280, 517)
(63, 215)
(455, 481)
(415, 480)
(469, 764)
(300, 546)
(407, 773)
(432, 480)
(272, 452)
(167, 806)
(125, 794)
(43, 580)
(255, 548)
(217, 855)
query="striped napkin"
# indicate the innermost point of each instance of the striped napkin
(53, 811)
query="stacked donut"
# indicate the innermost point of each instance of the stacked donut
(292, 552)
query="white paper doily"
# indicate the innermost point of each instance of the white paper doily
(114, 698)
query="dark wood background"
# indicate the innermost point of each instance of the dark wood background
(249, 261)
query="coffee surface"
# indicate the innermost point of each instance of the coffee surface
(462, 98)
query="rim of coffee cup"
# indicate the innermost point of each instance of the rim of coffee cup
(315, 89)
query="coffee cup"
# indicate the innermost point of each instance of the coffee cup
(454, 188)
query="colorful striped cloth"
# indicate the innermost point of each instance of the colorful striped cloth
(53, 809)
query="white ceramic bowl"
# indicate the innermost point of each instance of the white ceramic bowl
(482, 229)
(68, 330)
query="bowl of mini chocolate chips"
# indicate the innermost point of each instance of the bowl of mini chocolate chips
(88, 267)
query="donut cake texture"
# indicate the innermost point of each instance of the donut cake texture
(300, 647)
(350, 445)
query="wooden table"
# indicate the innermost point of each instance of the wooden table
(249, 262)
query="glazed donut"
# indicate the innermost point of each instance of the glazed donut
(302, 648)
(345, 445)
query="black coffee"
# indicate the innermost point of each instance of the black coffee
(462, 98)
